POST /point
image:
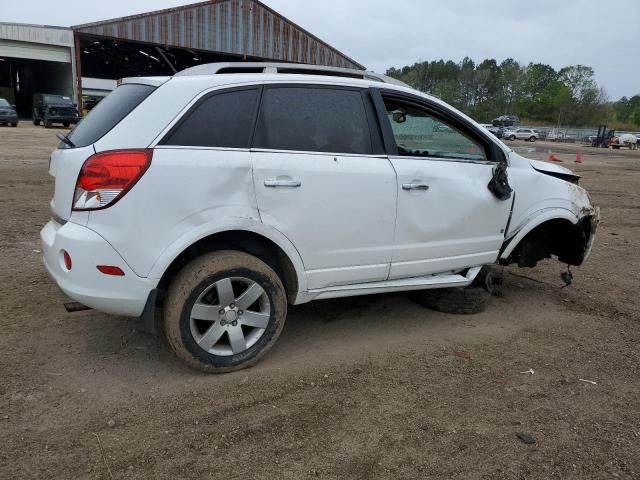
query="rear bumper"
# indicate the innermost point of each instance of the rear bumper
(125, 295)
(63, 119)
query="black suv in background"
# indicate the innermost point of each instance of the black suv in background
(506, 121)
(8, 113)
(50, 109)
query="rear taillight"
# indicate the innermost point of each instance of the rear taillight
(106, 177)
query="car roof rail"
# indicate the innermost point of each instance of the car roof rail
(285, 68)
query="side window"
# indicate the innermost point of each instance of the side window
(313, 120)
(420, 134)
(222, 120)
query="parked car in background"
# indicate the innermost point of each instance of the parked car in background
(627, 140)
(527, 134)
(496, 131)
(49, 109)
(502, 131)
(8, 114)
(442, 128)
(206, 203)
(506, 121)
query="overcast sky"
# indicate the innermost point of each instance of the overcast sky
(382, 33)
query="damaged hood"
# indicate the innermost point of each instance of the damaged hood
(547, 167)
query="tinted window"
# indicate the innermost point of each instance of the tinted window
(108, 113)
(313, 120)
(419, 134)
(221, 120)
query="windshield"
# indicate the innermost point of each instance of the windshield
(58, 99)
(4, 103)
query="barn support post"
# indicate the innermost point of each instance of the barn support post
(78, 71)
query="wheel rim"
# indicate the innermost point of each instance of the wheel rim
(230, 316)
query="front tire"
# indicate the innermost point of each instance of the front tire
(455, 301)
(47, 123)
(512, 138)
(532, 139)
(224, 311)
(463, 300)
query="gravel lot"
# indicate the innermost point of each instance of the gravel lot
(373, 387)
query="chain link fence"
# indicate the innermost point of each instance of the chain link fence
(570, 135)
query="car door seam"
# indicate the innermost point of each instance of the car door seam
(395, 221)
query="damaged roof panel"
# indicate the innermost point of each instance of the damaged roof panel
(247, 28)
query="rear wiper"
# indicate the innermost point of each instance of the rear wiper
(65, 139)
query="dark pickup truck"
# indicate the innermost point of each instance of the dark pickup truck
(50, 109)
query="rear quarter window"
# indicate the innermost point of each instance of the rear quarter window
(109, 113)
(223, 119)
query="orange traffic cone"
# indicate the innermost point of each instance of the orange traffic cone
(553, 158)
(578, 157)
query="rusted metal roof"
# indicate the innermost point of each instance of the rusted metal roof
(247, 28)
(43, 34)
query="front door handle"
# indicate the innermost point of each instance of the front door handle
(415, 186)
(273, 183)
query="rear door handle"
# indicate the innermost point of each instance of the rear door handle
(415, 186)
(273, 183)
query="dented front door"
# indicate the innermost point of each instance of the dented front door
(447, 217)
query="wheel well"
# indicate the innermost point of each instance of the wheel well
(558, 237)
(249, 242)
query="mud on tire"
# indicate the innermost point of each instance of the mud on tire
(189, 286)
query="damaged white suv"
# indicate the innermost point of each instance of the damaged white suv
(209, 201)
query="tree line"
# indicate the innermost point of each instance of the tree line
(537, 93)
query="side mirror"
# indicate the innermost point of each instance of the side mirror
(13, 106)
(399, 116)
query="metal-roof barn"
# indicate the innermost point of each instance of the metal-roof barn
(35, 59)
(162, 43)
(225, 30)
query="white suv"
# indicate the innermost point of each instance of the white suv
(526, 134)
(209, 201)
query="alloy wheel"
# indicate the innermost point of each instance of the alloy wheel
(230, 316)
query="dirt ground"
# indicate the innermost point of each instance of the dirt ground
(373, 387)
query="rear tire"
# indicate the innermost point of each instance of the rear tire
(512, 138)
(66, 124)
(36, 122)
(212, 320)
(47, 123)
(532, 139)
(14, 124)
